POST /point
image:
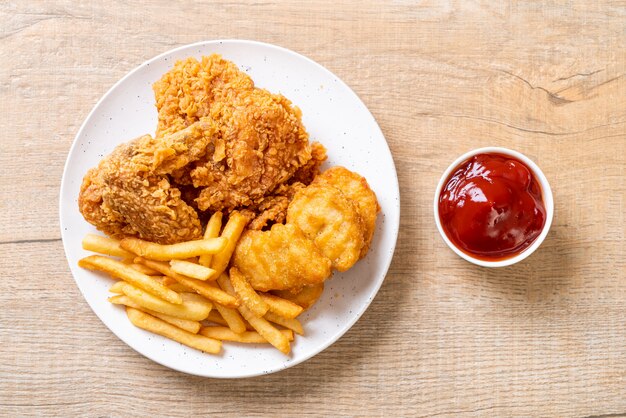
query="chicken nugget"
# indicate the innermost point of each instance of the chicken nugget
(281, 258)
(355, 187)
(331, 221)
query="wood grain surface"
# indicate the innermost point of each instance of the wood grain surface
(546, 337)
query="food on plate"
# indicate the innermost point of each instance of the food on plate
(150, 323)
(260, 141)
(130, 194)
(104, 245)
(181, 250)
(304, 297)
(247, 294)
(187, 325)
(118, 269)
(259, 323)
(224, 227)
(331, 221)
(355, 188)
(324, 230)
(281, 258)
(190, 269)
(204, 288)
(149, 302)
(280, 306)
(226, 334)
(192, 308)
(491, 207)
(221, 143)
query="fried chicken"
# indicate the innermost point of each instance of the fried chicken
(240, 149)
(260, 141)
(310, 170)
(129, 193)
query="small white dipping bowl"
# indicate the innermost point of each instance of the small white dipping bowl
(547, 201)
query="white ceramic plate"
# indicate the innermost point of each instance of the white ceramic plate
(332, 114)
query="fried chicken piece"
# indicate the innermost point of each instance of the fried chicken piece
(260, 141)
(273, 209)
(310, 170)
(281, 258)
(129, 193)
(331, 221)
(355, 187)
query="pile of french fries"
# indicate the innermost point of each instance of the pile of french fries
(172, 290)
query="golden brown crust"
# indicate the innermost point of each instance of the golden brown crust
(310, 170)
(331, 221)
(355, 187)
(305, 296)
(128, 194)
(260, 141)
(281, 258)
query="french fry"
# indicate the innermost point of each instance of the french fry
(203, 288)
(126, 273)
(280, 306)
(193, 270)
(247, 294)
(217, 318)
(267, 330)
(118, 287)
(187, 325)
(158, 326)
(174, 285)
(144, 269)
(179, 287)
(290, 323)
(232, 231)
(193, 308)
(182, 250)
(104, 245)
(212, 231)
(232, 318)
(305, 297)
(226, 334)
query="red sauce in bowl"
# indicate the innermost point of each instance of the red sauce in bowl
(491, 207)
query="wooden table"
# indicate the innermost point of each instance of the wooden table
(442, 338)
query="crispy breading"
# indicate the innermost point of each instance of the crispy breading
(305, 296)
(310, 170)
(355, 187)
(129, 193)
(281, 258)
(331, 221)
(324, 225)
(260, 143)
(273, 208)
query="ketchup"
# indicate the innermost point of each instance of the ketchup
(491, 207)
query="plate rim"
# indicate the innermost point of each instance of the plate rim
(350, 323)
